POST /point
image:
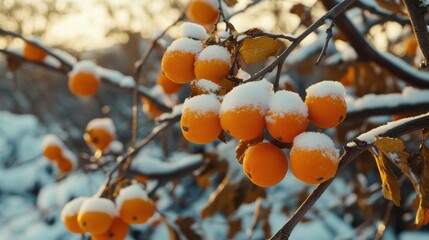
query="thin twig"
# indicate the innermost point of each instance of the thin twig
(417, 14)
(256, 216)
(328, 37)
(339, 8)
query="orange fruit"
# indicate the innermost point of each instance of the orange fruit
(52, 147)
(134, 206)
(141, 179)
(167, 85)
(69, 215)
(242, 113)
(326, 104)
(83, 84)
(100, 132)
(96, 215)
(67, 162)
(313, 158)
(287, 116)
(203, 12)
(200, 119)
(33, 52)
(213, 63)
(117, 231)
(265, 164)
(179, 58)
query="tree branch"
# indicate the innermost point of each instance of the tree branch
(367, 52)
(352, 150)
(417, 18)
(331, 14)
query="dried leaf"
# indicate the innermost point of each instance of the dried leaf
(241, 148)
(247, 192)
(222, 137)
(185, 225)
(264, 216)
(234, 227)
(391, 190)
(212, 167)
(221, 200)
(422, 217)
(254, 50)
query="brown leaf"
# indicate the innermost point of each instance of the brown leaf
(221, 200)
(241, 148)
(234, 227)
(212, 167)
(422, 217)
(185, 225)
(12, 63)
(391, 190)
(222, 137)
(254, 50)
(247, 192)
(265, 215)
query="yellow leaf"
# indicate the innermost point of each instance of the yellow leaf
(391, 190)
(254, 50)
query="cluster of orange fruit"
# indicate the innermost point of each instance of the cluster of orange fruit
(249, 108)
(56, 152)
(106, 219)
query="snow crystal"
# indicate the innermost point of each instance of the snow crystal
(51, 140)
(206, 85)
(72, 207)
(369, 136)
(215, 52)
(326, 88)
(95, 204)
(316, 141)
(103, 123)
(252, 94)
(85, 66)
(287, 102)
(186, 45)
(131, 192)
(202, 103)
(193, 30)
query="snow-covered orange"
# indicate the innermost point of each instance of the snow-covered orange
(33, 52)
(96, 215)
(179, 58)
(200, 121)
(100, 132)
(52, 147)
(203, 12)
(287, 116)
(313, 158)
(83, 79)
(134, 205)
(265, 164)
(326, 104)
(69, 215)
(242, 113)
(213, 63)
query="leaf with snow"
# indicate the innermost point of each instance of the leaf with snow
(422, 217)
(254, 50)
(391, 190)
